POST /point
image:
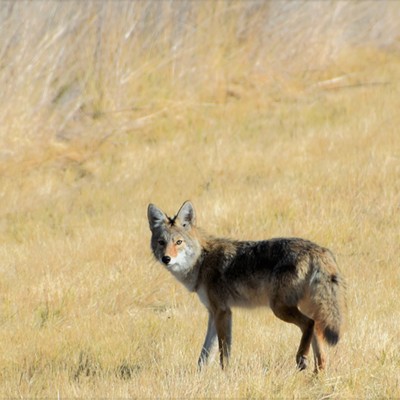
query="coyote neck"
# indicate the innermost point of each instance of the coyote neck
(189, 277)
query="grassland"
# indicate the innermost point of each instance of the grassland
(271, 126)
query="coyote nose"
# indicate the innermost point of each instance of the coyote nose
(166, 260)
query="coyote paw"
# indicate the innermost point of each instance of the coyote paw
(301, 362)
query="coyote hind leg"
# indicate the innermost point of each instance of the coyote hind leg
(293, 315)
(318, 349)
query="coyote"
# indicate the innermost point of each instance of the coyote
(296, 278)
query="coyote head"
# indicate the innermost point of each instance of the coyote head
(173, 241)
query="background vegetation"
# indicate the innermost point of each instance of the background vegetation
(274, 118)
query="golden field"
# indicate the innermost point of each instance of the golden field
(271, 124)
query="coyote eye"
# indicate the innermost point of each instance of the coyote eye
(161, 242)
(178, 242)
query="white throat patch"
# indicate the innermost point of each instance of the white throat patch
(182, 267)
(179, 264)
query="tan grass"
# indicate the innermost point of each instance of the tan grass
(107, 106)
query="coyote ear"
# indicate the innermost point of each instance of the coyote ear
(156, 217)
(186, 215)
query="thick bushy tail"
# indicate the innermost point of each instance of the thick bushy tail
(328, 298)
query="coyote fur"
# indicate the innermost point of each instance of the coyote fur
(296, 278)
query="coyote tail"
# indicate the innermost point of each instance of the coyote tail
(328, 297)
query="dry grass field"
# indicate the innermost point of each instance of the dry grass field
(274, 118)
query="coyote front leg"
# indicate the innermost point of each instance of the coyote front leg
(209, 342)
(223, 323)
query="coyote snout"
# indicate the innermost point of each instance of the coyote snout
(166, 259)
(299, 280)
